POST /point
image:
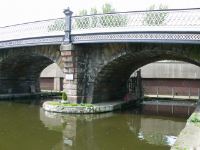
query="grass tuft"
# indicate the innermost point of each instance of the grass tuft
(81, 104)
(194, 118)
(74, 104)
(71, 104)
(54, 103)
(89, 105)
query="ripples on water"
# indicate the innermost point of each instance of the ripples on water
(25, 126)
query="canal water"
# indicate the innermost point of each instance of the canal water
(25, 126)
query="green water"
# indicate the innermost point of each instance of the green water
(25, 126)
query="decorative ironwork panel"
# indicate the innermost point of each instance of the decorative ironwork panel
(34, 41)
(187, 18)
(33, 29)
(136, 36)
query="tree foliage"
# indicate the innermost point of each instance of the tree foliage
(86, 22)
(93, 10)
(58, 25)
(108, 8)
(155, 18)
(82, 22)
(112, 20)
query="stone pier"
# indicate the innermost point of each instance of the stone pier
(75, 61)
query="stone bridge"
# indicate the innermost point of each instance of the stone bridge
(97, 53)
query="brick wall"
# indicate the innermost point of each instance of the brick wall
(165, 86)
(47, 83)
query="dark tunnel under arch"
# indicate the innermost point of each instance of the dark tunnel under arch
(20, 68)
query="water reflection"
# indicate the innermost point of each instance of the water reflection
(119, 130)
(69, 125)
(21, 128)
(174, 110)
(159, 131)
(27, 126)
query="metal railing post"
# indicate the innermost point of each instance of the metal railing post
(199, 93)
(157, 92)
(68, 15)
(189, 93)
(172, 92)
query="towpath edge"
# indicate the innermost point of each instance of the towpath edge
(189, 138)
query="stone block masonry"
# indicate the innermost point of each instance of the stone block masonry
(99, 72)
(74, 61)
(20, 68)
(93, 72)
(98, 108)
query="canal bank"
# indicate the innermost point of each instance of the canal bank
(189, 138)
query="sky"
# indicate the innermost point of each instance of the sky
(21, 11)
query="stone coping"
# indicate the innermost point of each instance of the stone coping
(170, 97)
(189, 138)
(170, 102)
(83, 109)
(65, 116)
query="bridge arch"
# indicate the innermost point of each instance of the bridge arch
(110, 65)
(21, 67)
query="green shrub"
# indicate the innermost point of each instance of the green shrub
(81, 104)
(64, 96)
(74, 104)
(146, 98)
(89, 105)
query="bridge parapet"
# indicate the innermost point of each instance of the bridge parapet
(139, 20)
(156, 26)
(34, 33)
(165, 26)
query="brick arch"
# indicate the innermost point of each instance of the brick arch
(113, 63)
(21, 67)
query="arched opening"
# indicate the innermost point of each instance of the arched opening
(163, 77)
(22, 71)
(20, 68)
(51, 78)
(111, 79)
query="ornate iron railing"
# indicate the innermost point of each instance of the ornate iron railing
(186, 18)
(166, 26)
(33, 29)
(138, 26)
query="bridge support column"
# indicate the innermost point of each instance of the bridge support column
(74, 62)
